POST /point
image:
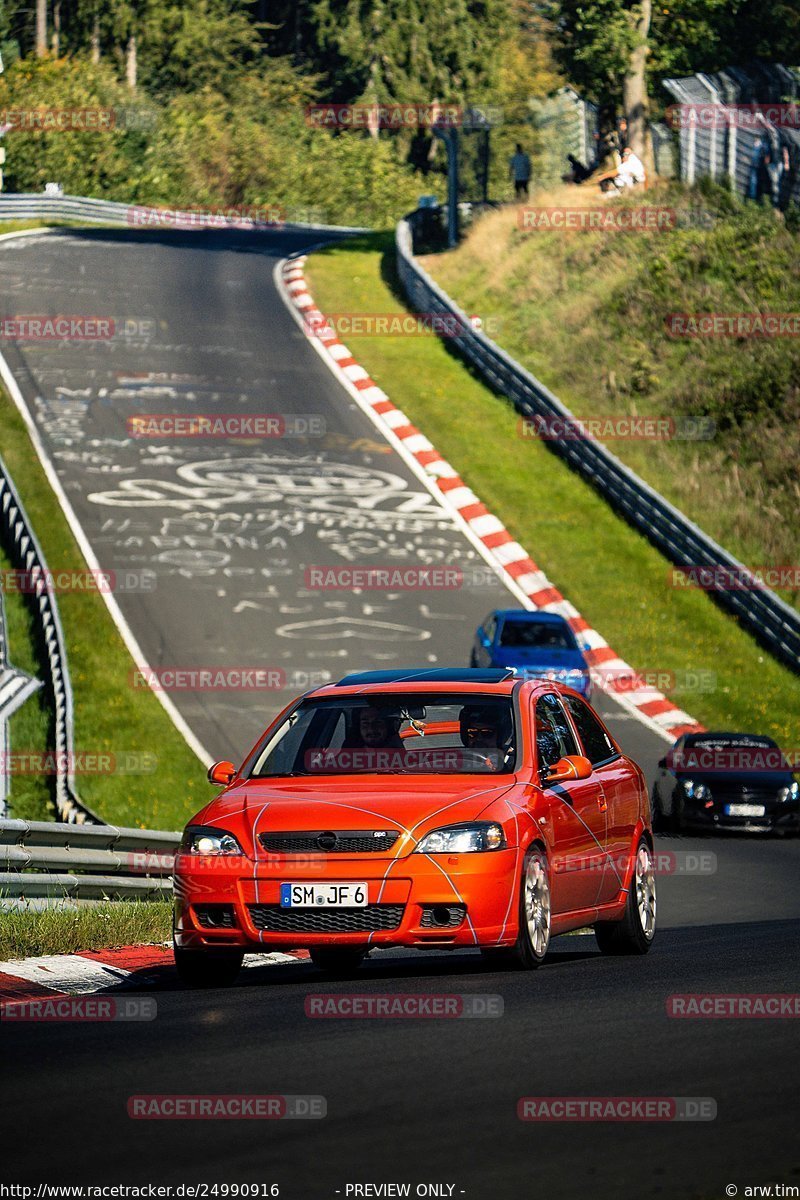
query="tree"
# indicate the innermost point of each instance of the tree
(41, 28)
(407, 50)
(613, 49)
(183, 47)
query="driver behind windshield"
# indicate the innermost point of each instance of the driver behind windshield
(487, 729)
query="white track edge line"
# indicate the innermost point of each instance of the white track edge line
(123, 628)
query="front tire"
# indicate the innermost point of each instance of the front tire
(533, 938)
(635, 932)
(208, 968)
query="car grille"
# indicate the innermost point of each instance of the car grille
(736, 793)
(371, 919)
(347, 841)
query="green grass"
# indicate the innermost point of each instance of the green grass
(18, 226)
(25, 933)
(614, 576)
(586, 313)
(110, 716)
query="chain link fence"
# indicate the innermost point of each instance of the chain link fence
(740, 125)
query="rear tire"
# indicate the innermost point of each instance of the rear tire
(336, 960)
(635, 932)
(208, 968)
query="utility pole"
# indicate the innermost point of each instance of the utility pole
(449, 135)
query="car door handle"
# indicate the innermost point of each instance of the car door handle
(602, 803)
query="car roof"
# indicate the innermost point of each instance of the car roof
(499, 681)
(525, 614)
(428, 675)
(466, 681)
(689, 739)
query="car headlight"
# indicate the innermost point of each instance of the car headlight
(203, 839)
(790, 793)
(697, 791)
(463, 839)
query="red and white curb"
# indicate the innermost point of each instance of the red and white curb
(93, 971)
(520, 572)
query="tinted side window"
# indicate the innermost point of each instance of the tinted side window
(554, 738)
(596, 742)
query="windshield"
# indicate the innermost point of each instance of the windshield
(539, 634)
(397, 734)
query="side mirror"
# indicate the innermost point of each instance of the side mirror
(222, 773)
(571, 767)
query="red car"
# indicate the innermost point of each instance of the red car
(437, 809)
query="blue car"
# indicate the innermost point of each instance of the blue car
(535, 644)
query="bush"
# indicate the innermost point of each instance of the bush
(93, 162)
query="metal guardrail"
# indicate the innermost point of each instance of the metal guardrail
(25, 206)
(774, 622)
(19, 540)
(15, 688)
(42, 861)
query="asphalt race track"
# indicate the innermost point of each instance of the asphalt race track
(229, 530)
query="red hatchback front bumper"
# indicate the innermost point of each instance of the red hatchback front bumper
(418, 900)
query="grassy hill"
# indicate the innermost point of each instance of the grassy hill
(586, 312)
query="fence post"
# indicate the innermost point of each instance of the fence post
(732, 149)
(691, 152)
(712, 145)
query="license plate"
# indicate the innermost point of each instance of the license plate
(745, 810)
(323, 895)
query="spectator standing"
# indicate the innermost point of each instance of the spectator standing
(759, 183)
(520, 167)
(776, 163)
(787, 177)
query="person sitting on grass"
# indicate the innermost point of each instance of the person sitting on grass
(628, 174)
